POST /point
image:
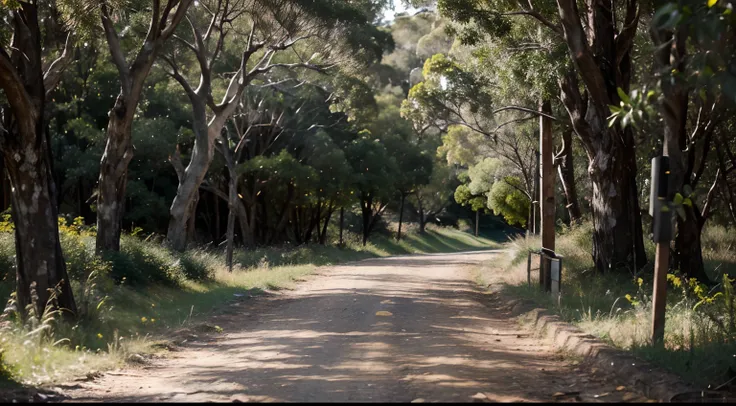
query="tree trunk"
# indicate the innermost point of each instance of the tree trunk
(401, 216)
(217, 236)
(203, 151)
(231, 202)
(617, 237)
(39, 260)
(367, 212)
(26, 150)
(687, 255)
(477, 218)
(603, 61)
(192, 222)
(567, 178)
(342, 223)
(323, 235)
(113, 175)
(119, 146)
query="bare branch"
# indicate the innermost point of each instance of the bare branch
(177, 164)
(52, 76)
(116, 50)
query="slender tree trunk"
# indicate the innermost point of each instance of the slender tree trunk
(323, 235)
(342, 223)
(477, 218)
(401, 216)
(367, 211)
(232, 196)
(217, 235)
(566, 171)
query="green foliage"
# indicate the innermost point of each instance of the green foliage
(375, 170)
(507, 200)
(140, 263)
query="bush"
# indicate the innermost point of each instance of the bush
(195, 267)
(139, 263)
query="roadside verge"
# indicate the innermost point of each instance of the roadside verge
(652, 381)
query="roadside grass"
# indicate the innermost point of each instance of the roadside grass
(616, 307)
(129, 303)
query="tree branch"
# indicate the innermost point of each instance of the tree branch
(534, 14)
(52, 76)
(582, 56)
(116, 50)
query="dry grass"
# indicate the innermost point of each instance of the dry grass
(698, 342)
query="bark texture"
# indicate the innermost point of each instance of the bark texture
(601, 58)
(566, 171)
(119, 146)
(26, 151)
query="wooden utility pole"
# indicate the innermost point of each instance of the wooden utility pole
(533, 228)
(547, 189)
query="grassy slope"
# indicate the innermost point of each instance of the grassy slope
(133, 320)
(695, 348)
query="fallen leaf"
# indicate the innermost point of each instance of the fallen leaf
(418, 400)
(384, 313)
(480, 396)
(630, 396)
(561, 394)
(602, 395)
(620, 388)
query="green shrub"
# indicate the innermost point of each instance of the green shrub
(140, 263)
(194, 266)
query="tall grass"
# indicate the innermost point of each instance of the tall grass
(700, 343)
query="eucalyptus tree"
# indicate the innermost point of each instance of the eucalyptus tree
(266, 34)
(30, 69)
(374, 181)
(688, 96)
(464, 197)
(432, 197)
(124, 26)
(599, 37)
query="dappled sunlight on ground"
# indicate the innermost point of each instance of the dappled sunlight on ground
(393, 329)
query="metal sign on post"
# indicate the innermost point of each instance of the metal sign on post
(662, 235)
(549, 282)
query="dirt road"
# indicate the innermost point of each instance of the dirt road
(385, 330)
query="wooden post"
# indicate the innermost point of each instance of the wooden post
(661, 265)
(662, 235)
(535, 201)
(547, 195)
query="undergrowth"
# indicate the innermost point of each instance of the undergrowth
(700, 340)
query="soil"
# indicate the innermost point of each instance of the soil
(399, 329)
